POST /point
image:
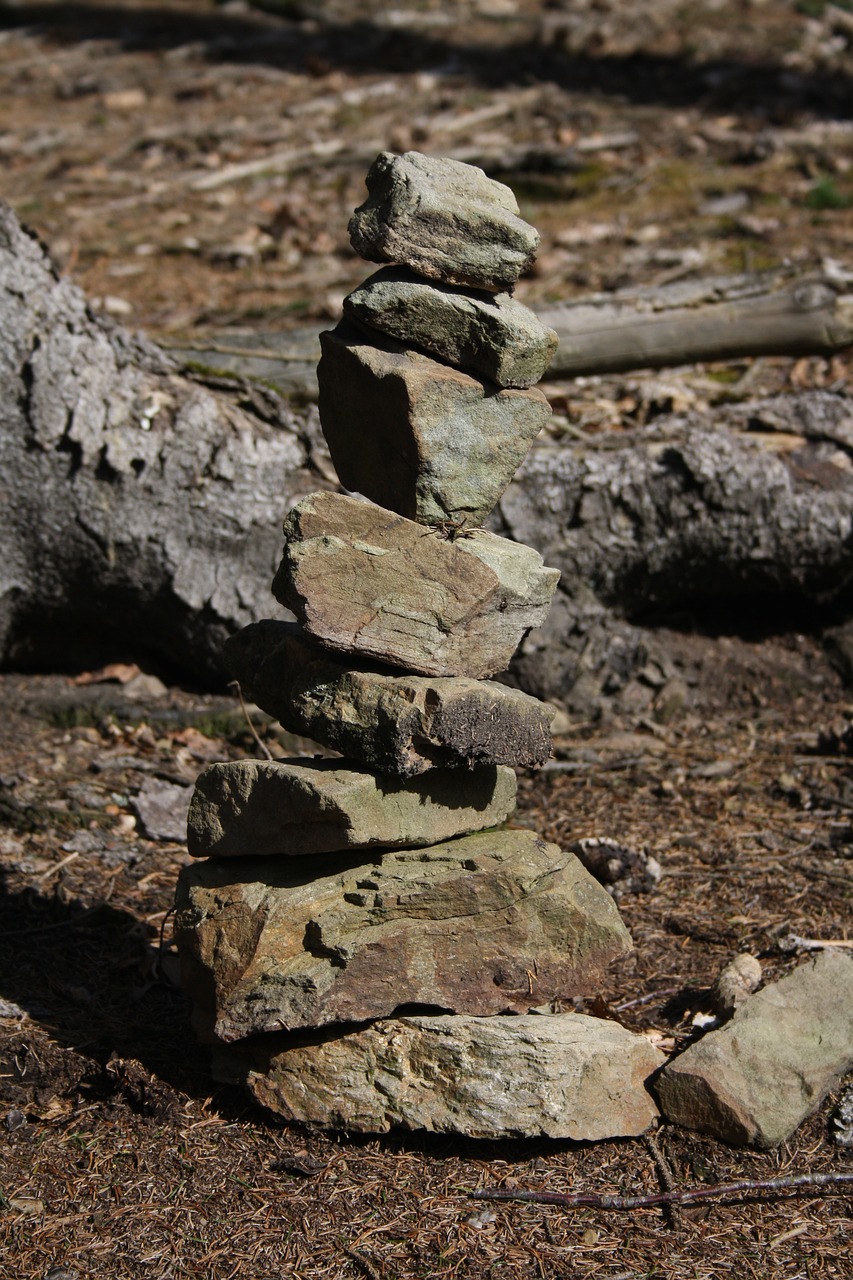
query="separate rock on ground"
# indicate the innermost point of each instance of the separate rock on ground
(489, 334)
(758, 1077)
(417, 436)
(735, 983)
(444, 219)
(248, 808)
(492, 923)
(366, 581)
(567, 1076)
(392, 723)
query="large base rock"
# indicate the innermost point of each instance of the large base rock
(491, 334)
(495, 922)
(365, 581)
(392, 723)
(419, 437)
(444, 219)
(566, 1076)
(246, 808)
(758, 1077)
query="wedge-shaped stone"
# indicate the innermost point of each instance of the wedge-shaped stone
(489, 334)
(393, 723)
(492, 923)
(758, 1077)
(416, 436)
(444, 219)
(246, 808)
(567, 1076)
(365, 581)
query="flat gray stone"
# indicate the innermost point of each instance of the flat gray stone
(489, 334)
(419, 437)
(566, 1076)
(491, 923)
(398, 724)
(248, 808)
(365, 581)
(757, 1078)
(444, 219)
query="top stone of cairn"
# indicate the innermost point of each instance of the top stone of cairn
(444, 219)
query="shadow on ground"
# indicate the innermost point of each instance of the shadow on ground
(751, 82)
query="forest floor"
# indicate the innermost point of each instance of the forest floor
(193, 168)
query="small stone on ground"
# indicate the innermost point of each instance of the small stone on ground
(753, 1081)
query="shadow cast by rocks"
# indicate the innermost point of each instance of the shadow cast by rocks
(92, 979)
(750, 82)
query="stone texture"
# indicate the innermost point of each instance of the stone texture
(567, 1076)
(495, 922)
(416, 436)
(444, 219)
(735, 983)
(365, 581)
(248, 808)
(489, 334)
(758, 1077)
(393, 723)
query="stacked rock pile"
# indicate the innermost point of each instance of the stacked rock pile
(361, 927)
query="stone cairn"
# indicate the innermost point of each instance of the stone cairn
(361, 928)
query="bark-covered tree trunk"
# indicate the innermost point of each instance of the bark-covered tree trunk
(142, 509)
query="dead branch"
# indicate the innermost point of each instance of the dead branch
(721, 318)
(747, 1188)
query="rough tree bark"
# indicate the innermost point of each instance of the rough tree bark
(142, 509)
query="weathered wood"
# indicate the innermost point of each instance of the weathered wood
(721, 318)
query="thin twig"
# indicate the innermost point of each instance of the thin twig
(365, 1263)
(235, 684)
(724, 1190)
(662, 1165)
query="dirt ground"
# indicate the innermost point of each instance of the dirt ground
(194, 167)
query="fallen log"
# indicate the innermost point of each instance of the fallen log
(721, 318)
(142, 508)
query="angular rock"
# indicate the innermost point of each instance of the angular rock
(393, 723)
(365, 581)
(758, 1077)
(444, 219)
(567, 1076)
(490, 334)
(494, 922)
(416, 436)
(253, 808)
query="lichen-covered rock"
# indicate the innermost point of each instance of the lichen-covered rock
(365, 581)
(250, 808)
(444, 219)
(567, 1076)
(490, 334)
(491, 923)
(755, 1079)
(393, 723)
(419, 437)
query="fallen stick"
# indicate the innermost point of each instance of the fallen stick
(719, 1191)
